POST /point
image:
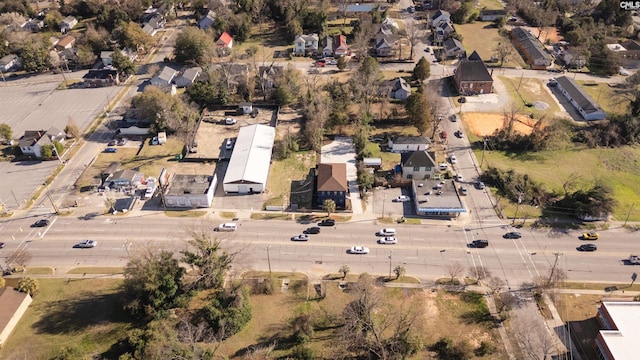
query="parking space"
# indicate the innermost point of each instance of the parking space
(233, 201)
(383, 200)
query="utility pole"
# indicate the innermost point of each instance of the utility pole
(484, 148)
(53, 204)
(269, 259)
(390, 256)
(629, 213)
(520, 82)
(553, 269)
(517, 207)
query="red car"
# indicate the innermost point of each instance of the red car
(320, 64)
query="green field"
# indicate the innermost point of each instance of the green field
(284, 172)
(491, 4)
(527, 91)
(616, 167)
(483, 37)
(606, 97)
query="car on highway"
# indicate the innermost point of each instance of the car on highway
(590, 235)
(1, 245)
(86, 244)
(386, 232)
(453, 159)
(301, 237)
(359, 250)
(480, 243)
(312, 230)
(458, 133)
(458, 178)
(227, 227)
(111, 150)
(402, 198)
(388, 240)
(327, 222)
(41, 223)
(512, 235)
(230, 121)
(479, 185)
(587, 247)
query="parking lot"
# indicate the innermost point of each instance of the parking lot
(382, 200)
(213, 132)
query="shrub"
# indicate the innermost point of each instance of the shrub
(302, 353)
(485, 348)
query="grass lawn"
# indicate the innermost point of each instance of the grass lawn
(529, 91)
(82, 315)
(389, 159)
(483, 37)
(606, 97)
(283, 173)
(491, 4)
(615, 167)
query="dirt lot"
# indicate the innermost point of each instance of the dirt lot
(483, 124)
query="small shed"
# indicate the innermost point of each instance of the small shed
(375, 163)
(162, 137)
(246, 107)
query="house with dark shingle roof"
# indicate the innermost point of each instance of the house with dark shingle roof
(419, 165)
(492, 14)
(125, 178)
(397, 88)
(31, 142)
(472, 76)
(331, 183)
(531, 49)
(583, 102)
(453, 48)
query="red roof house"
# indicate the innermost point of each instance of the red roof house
(225, 41)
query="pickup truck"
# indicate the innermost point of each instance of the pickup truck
(634, 259)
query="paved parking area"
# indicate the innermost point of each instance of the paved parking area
(382, 201)
(342, 150)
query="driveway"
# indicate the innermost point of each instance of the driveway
(342, 150)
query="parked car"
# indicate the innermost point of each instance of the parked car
(85, 244)
(312, 230)
(327, 222)
(591, 235)
(463, 191)
(386, 232)
(228, 144)
(453, 159)
(479, 185)
(1, 245)
(462, 100)
(634, 259)
(480, 243)
(458, 134)
(227, 227)
(301, 237)
(587, 247)
(454, 118)
(320, 64)
(388, 240)
(111, 150)
(512, 235)
(359, 250)
(230, 121)
(402, 198)
(333, 62)
(41, 223)
(122, 142)
(458, 178)
(112, 143)
(444, 166)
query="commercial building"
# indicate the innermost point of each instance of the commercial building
(620, 337)
(190, 191)
(248, 168)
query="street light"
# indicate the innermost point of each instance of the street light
(55, 208)
(390, 256)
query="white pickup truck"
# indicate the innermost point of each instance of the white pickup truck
(634, 259)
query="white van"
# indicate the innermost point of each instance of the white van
(227, 227)
(386, 232)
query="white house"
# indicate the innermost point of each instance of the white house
(408, 143)
(248, 168)
(67, 24)
(305, 44)
(188, 77)
(419, 165)
(581, 101)
(31, 142)
(190, 191)
(397, 88)
(165, 79)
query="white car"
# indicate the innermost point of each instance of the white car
(458, 178)
(228, 144)
(444, 166)
(402, 198)
(301, 237)
(360, 250)
(388, 240)
(227, 227)
(230, 121)
(453, 159)
(84, 244)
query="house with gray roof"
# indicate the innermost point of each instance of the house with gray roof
(403, 144)
(443, 31)
(165, 78)
(207, 20)
(439, 17)
(397, 88)
(531, 49)
(32, 142)
(188, 77)
(419, 165)
(453, 48)
(67, 24)
(305, 44)
(472, 76)
(125, 178)
(581, 101)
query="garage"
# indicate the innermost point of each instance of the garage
(250, 160)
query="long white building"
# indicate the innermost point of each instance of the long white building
(248, 168)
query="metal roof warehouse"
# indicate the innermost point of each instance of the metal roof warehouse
(249, 165)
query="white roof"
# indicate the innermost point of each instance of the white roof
(623, 343)
(251, 155)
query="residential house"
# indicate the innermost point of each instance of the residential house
(233, 74)
(32, 141)
(328, 44)
(492, 14)
(101, 78)
(619, 337)
(443, 31)
(9, 62)
(149, 30)
(68, 23)
(408, 143)
(125, 178)
(331, 183)
(472, 76)
(225, 41)
(385, 45)
(165, 78)
(14, 305)
(35, 24)
(268, 75)
(581, 101)
(397, 88)
(188, 77)
(453, 48)
(207, 20)
(340, 48)
(419, 165)
(630, 57)
(69, 57)
(246, 107)
(106, 56)
(67, 42)
(390, 23)
(574, 58)
(439, 17)
(531, 49)
(305, 44)
(110, 170)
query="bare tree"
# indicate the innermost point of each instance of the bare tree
(344, 270)
(21, 258)
(535, 340)
(72, 128)
(454, 270)
(503, 49)
(479, 272)
(495, 283)
(414, 33)
(363, 35)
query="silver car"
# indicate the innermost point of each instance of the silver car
(390, 240)
(301, 237)
(84, 244)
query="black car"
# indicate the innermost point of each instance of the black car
(480, 243)
(587, 247)
(312, 230)
(41, 223)
(1, 245)
(327, 222)
(512, 235)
